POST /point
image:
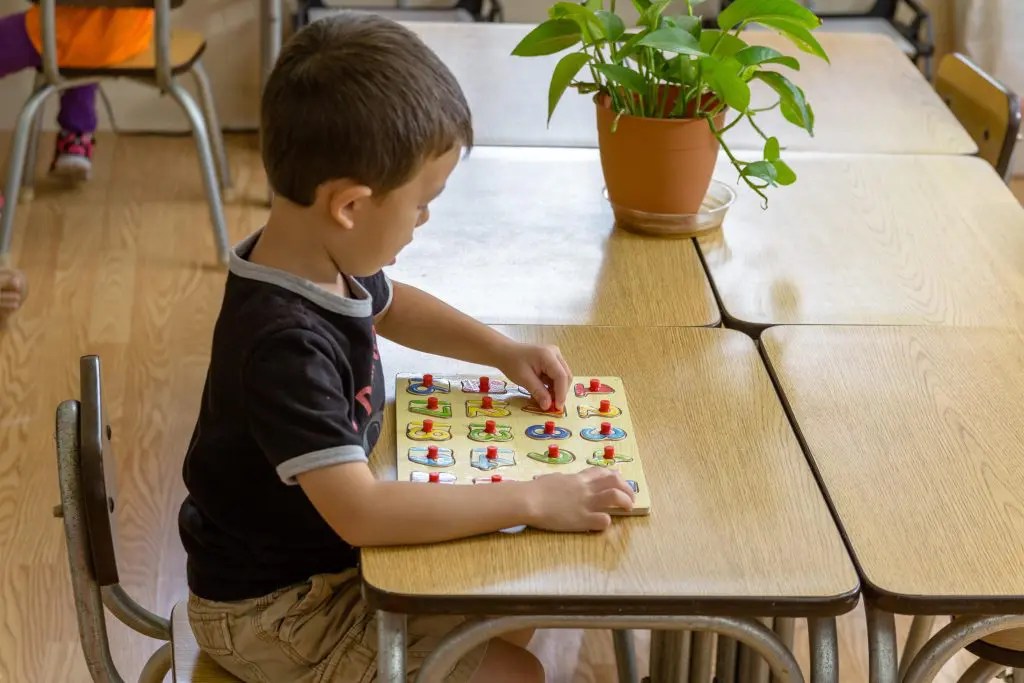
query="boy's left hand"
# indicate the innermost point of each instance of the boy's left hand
(541, 370)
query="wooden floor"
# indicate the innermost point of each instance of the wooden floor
(124, 268)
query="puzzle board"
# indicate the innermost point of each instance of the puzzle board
(455, 449)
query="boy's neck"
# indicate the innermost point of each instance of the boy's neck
(285, 244)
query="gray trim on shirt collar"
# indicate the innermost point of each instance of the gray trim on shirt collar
(359, 307)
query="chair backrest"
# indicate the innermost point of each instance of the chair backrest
(985, 107)
(885, 9)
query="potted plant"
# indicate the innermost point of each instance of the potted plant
(668, 90)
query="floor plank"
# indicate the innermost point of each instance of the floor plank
(124, 267)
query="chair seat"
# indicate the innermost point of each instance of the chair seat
(192, 665)
(396, 14)
(186, 48)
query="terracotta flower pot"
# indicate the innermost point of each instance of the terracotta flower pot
(655, 166)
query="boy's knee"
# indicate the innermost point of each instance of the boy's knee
(508, 663)
(528, 668)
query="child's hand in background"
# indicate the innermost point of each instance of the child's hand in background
(541, 370)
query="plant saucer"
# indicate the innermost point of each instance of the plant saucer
(712, 212)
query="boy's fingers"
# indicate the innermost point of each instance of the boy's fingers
(614, 498)
(598, 521)
(538, 391)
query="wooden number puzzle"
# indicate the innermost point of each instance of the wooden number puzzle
(486, 430)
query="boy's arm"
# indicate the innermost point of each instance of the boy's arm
(423, 322)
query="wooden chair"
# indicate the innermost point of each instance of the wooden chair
(985, 107)
(171, 54)
(85, 468)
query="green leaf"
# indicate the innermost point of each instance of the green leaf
(548, 38)
(624, 76)
(631, 45)
(686, 22)
(771, 149)
(641, 6)
(759, 10)
(591, 28)
(755, 54)
(680, 70)
(792, 102)
(784, 175)
(672, 39)
(613, 26)
(566, 70)
(723, 44)
(798, 35)
(652, 15)
(595, 5)
(723, 76)
(765, 170)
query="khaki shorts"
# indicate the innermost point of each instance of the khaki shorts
(319, 631)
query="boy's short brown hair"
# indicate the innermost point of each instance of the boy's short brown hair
(357, 96)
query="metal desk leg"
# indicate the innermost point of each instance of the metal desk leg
(920, 632)
(725, 660)
(824, 650)
(981, 672)
(881, 646)
(701, 651)
(785, 629)
(391, 637)
(625, 655)
(669, 656)
(954, 637)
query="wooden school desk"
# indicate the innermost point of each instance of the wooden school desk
(524, 236)
(738, 528)
(918, 439)
(872, 240)
(871, 99)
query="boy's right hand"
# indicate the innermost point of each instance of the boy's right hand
(578, 502)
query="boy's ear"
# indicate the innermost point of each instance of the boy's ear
(343, 200)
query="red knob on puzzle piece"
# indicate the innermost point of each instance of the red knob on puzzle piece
(432, 403)
(549, 427)
(432, 452)
(428, 380)
(487, 403)
(609, 452)
(492, 452)
(490, 427)
(434, 477)
(553, 451)
(606, 406)
(428, 426)
(485, 385)
(606, 428)
(495, 478)
(595, 384)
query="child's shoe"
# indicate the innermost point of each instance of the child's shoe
(72, 159)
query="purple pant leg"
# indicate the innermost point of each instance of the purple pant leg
(77, 105)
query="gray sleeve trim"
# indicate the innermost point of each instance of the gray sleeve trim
(338, 455)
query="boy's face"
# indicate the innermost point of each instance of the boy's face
(382, 228)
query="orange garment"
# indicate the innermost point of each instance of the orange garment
(89, 37)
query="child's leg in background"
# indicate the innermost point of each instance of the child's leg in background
(16, 50)
(73, 156)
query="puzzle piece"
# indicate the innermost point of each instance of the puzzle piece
(492, 457)
(594, 387)
(487, 407)
(428, 431)
(606, 457)
(433, 477)
(426, 384)
(432, 456)
(492, 479)
(606, 432)
(553, 456)
(547, 431)
(484, 385)
(603, 409)
(431, 406)
(532, 407)
(489, 431)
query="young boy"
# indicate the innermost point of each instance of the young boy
(362, 125)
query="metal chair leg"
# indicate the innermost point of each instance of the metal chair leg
(625, 656)
(28, 180)
(213, 128)
(16, 161)
(206, 163)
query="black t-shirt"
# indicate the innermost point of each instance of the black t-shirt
(294, 385)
